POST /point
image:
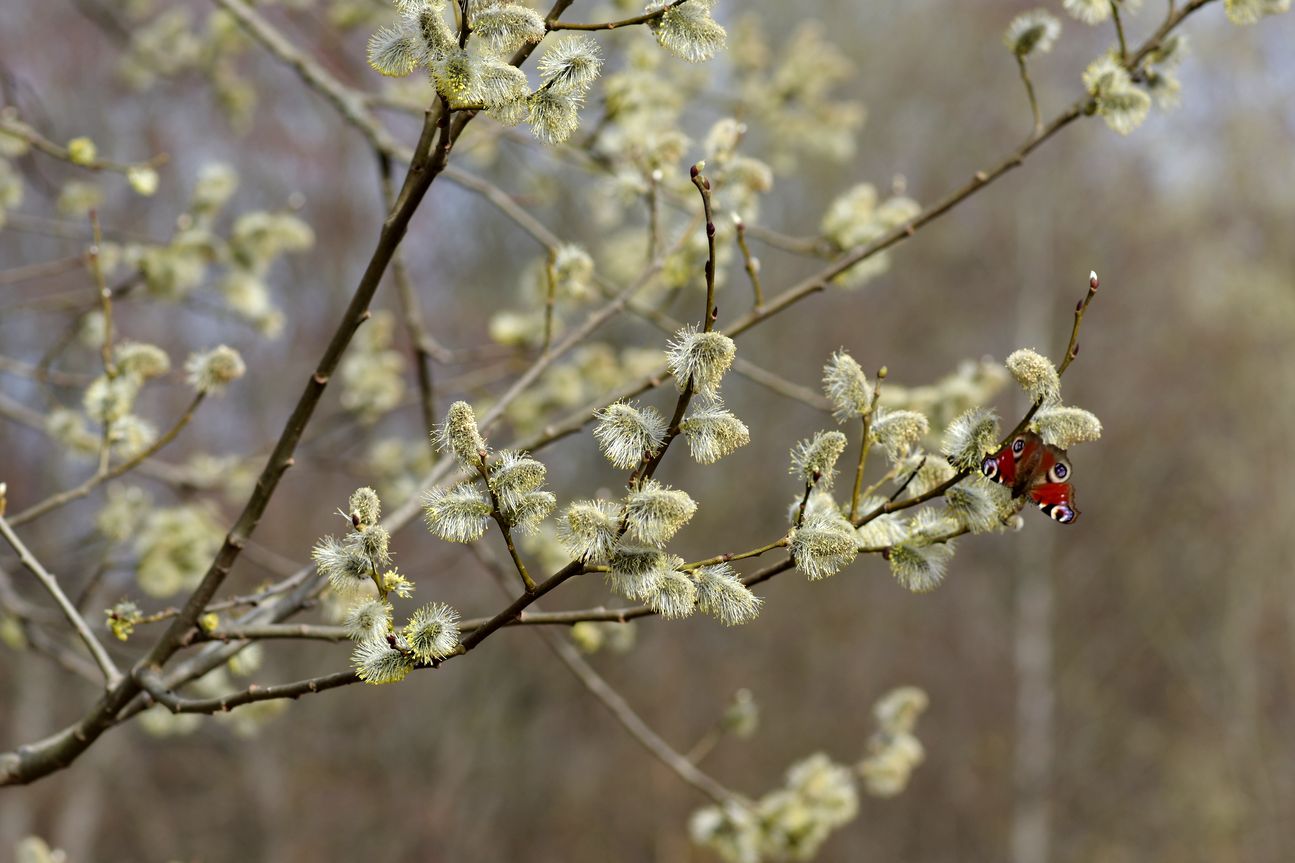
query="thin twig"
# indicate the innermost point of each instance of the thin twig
(152, 683)
(742, 555)
(500, 519)
(101, 658)
(750, 262)
(105, 295)
(1119, 32)
(106, 473)
(411, 313)
(703, 188)
(865, 442)
(14, 128)
(1029, 92)
(634, 724)
(615, 25)
(550, 296)
(14, 275)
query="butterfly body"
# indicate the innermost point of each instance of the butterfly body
(1037, 470)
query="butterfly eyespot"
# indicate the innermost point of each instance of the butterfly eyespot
(1059, 472)
(1018, 445)
(989, 467)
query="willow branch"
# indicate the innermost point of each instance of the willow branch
(411, 313)
(1029, 92)
(750, 263)
(500, 519)
(106, 473)
(634, 724)
(865, 443)
(152, 683)
(17, 129)
(615, 25)
(1119, 31)
(111, 674)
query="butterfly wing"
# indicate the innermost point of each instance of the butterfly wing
(1050, 489)
(1056, 499)
(1015, 464)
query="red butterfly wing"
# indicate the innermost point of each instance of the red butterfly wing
(1056, 499)
(1050, 487)
(1029, 466)
(1014, 464)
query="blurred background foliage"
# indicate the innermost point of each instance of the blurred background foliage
(1160, 729)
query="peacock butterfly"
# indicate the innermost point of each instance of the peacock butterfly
(1041, 471)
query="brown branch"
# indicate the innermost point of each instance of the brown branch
(1029, 92)
(106, 473)
(411, 313)
(14, 275)
(550, 297)
(865, 443)
(151, 682)
(500, 519)
(750, 262)
(17, 129)
(348, 103)
(703, 188)
(634, 724)
(101, 658)
(616, 25)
